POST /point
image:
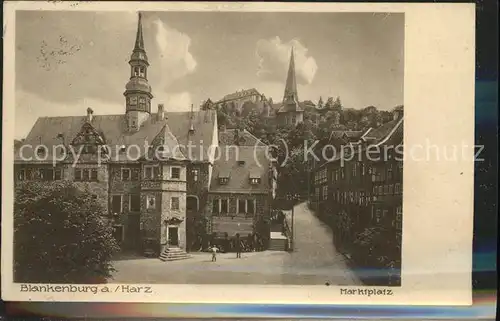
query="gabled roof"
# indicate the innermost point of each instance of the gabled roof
(256, 162)
(382, 131)
(390, 133)
(56, 131)
(227, 137)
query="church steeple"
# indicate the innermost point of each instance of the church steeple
(139, 40)
(291, 96)
(138, 91)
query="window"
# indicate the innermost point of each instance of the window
(363, 169)
(126, 175)
(85, 174)
(398, 219)
(21, 175)
(241, 206)
(58, 174)
(151, 202)
(135, 174)
(174, 203)
(41, 151)
(250, 206)
(389, 172)
(397, 188)
(194, 175)
(390, 189)
(325, 192)
(224, 206)
(151, 172)
(336, 174)
(135, 203)
(223, 180)
(215, 206)
(142, 72)
(116, 204)
(342, 173)
(175, 173)
(354, 168)
(316, 193)
(377, 216)
(255, 181)
(386, 189)
(93, 174)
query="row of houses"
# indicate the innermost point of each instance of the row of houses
(359, 192)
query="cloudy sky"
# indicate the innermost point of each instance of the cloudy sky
(68, 61)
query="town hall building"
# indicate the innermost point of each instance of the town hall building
(153, 171)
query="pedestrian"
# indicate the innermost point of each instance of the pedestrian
(238, 246)
(214, 250)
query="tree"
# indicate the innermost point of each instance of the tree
(60, 235)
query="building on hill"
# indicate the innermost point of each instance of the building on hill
(152, 172)
(237, 99)
(290, 112)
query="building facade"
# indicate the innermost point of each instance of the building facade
(362, 191)
(152, 172)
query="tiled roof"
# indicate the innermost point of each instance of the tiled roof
(255, 162)
(382, 131)
(227, 137)
(390, 133)
(48, 131)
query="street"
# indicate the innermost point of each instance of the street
(313, 262)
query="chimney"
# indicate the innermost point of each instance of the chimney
(161, 112)
(90, 115)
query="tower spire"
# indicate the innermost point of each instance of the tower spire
(290, 95)
(139, 40)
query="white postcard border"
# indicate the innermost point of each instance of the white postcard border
(438, 195)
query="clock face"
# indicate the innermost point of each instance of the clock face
(133, 100)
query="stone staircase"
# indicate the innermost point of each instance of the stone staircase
(277, 242)
(173, 254)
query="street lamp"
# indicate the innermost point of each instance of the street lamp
(292, 198)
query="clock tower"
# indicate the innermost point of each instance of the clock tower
(138, 91)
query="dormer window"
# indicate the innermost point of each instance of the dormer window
(255, 181)
(122, 149)
(41, 151)
(241, 162)
(223, 180)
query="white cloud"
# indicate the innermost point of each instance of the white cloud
(274, 58)
(180, 101)
(175, 59)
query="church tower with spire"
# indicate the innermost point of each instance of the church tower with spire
(290, 112)
(138, 91)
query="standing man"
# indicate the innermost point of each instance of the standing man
(238, 246)
(214, 250)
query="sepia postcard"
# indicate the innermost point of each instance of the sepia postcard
(238, 152)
